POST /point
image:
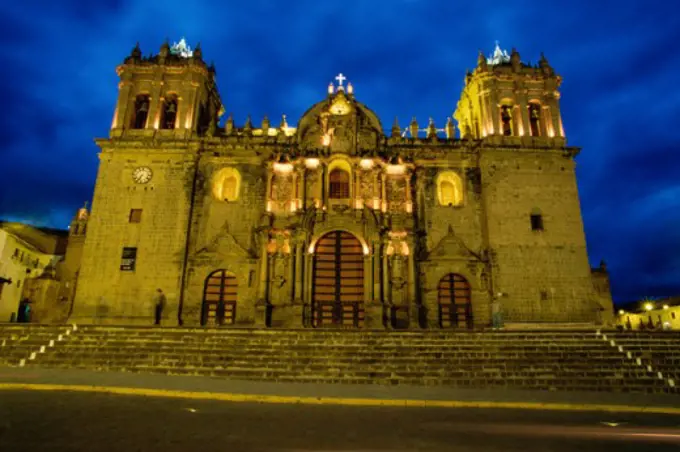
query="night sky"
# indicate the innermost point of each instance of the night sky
(620, 61)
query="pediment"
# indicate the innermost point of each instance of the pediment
(223, 244)
(451, 246)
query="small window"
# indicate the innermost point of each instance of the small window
(18, 283)
(536, 222)
(16, 252)
(339, 184)
(673, 315)
(450, 189)
(135, 215)
(128, 259)
(544, 295)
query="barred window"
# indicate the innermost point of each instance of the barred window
(339, 184)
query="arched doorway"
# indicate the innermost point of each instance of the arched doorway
(219, 299)
(454, 300)
(338, 278)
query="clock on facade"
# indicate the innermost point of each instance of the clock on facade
(142, 175)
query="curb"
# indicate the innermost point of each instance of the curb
(259, 398)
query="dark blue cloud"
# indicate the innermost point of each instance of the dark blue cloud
(405, 57)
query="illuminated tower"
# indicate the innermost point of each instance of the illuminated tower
(505, 97)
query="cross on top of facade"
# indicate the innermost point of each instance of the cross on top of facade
(340, 78)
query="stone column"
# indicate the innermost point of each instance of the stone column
(121, 119)
(414, 308)
(375, 257)
(299, 252)
(324, 178)
(308, 283)
(555, 115)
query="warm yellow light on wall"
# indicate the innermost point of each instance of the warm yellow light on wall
(376, 203)
(283, 167)
(359, 203)
(311, 248)
(621, 312)
(269, 206)
(404, 249)
(366, 164)
(409, 207)
(396, 169)
(366, 250)
(665, 306)
(649, 306)
(312, 163)
(326, 140)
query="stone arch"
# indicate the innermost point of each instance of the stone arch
(226, 184)
(454, 301)
(535, 113)
(220, 292)
(507, 118)
(315, 239)
(140, 111)
(169, 111)
(449, 188)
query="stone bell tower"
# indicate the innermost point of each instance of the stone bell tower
(173, 92)
(505, 97)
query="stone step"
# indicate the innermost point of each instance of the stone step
(328, 343)
(595, 365)
(319, 369)
(640, 384)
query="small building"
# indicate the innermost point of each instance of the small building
(661, 314)
(26, 252)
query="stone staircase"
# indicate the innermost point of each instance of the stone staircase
(547, 360)
(660, 350)
(19, 341)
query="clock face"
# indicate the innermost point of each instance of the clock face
(142, 175)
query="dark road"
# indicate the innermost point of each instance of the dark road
(63, 421)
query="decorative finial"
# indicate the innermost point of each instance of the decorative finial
(136, 52)
(414, 128)
(331, 88)
(431, 129)
(515, 60)
(544, 65)
(229, 126)
(248, 126)
(284, 123)
(198, 53)
(450, 130)
(181, 49)
(396, 130)
(350, 88)
(498, 56)
(481, 61)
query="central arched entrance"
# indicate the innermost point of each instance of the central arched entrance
(338, 281)
(454, 299)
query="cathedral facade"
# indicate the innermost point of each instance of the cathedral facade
(335, 222)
